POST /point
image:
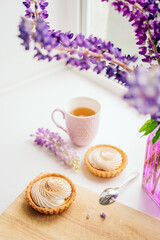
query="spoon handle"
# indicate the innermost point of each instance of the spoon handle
(131, 177)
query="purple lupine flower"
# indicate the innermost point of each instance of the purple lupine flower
(144, 91)
(60, 56)
(36, 5)
(50, 39)
(46, 37)
(99, 67)
(27, 3)
(43, 14)
(131, 58)
(121, 76)
(80, 40)
(65, 40)
(110, 71)
(25, 29)
(132, 1)
(73, 61)
(143, 50)
(41, 56)
(42, 33)
(84, 63)
(58, 146)
(43, 4)
(126, 11)
(30, 13)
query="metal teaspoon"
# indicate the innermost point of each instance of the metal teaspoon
(109, 195)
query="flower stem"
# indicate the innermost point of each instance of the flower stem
(96, 55)
(153, 44)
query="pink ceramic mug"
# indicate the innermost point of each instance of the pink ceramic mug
(81, 129)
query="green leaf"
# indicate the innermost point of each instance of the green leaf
(149, 123)
(156, 137)
(144, 127)
(148, 127)
(147, 132)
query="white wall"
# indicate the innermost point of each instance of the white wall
(16, 64)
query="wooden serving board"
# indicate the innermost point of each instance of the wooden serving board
(21, 222)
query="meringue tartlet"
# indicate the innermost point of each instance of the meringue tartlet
(105, 160)
(50, 193)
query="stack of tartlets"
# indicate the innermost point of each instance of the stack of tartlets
(51, 193)
(105, 160)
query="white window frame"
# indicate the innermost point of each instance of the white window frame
(89, 24)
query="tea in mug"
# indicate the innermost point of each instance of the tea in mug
(83, 112)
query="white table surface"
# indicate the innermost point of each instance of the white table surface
(26, 108)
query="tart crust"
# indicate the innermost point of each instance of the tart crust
(105, 173)
(56, 210)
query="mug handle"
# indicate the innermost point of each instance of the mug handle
(58, 125)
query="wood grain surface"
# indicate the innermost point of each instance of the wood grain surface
(21, 222)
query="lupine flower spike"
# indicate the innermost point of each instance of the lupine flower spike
(58, 146)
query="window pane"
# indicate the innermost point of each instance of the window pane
(121, 33)
(104, 22)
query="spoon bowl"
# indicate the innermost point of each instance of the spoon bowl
(109, 195)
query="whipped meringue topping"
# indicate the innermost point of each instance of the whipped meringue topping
(50, 192)
(105, 158)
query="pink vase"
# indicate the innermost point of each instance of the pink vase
(151, 172)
